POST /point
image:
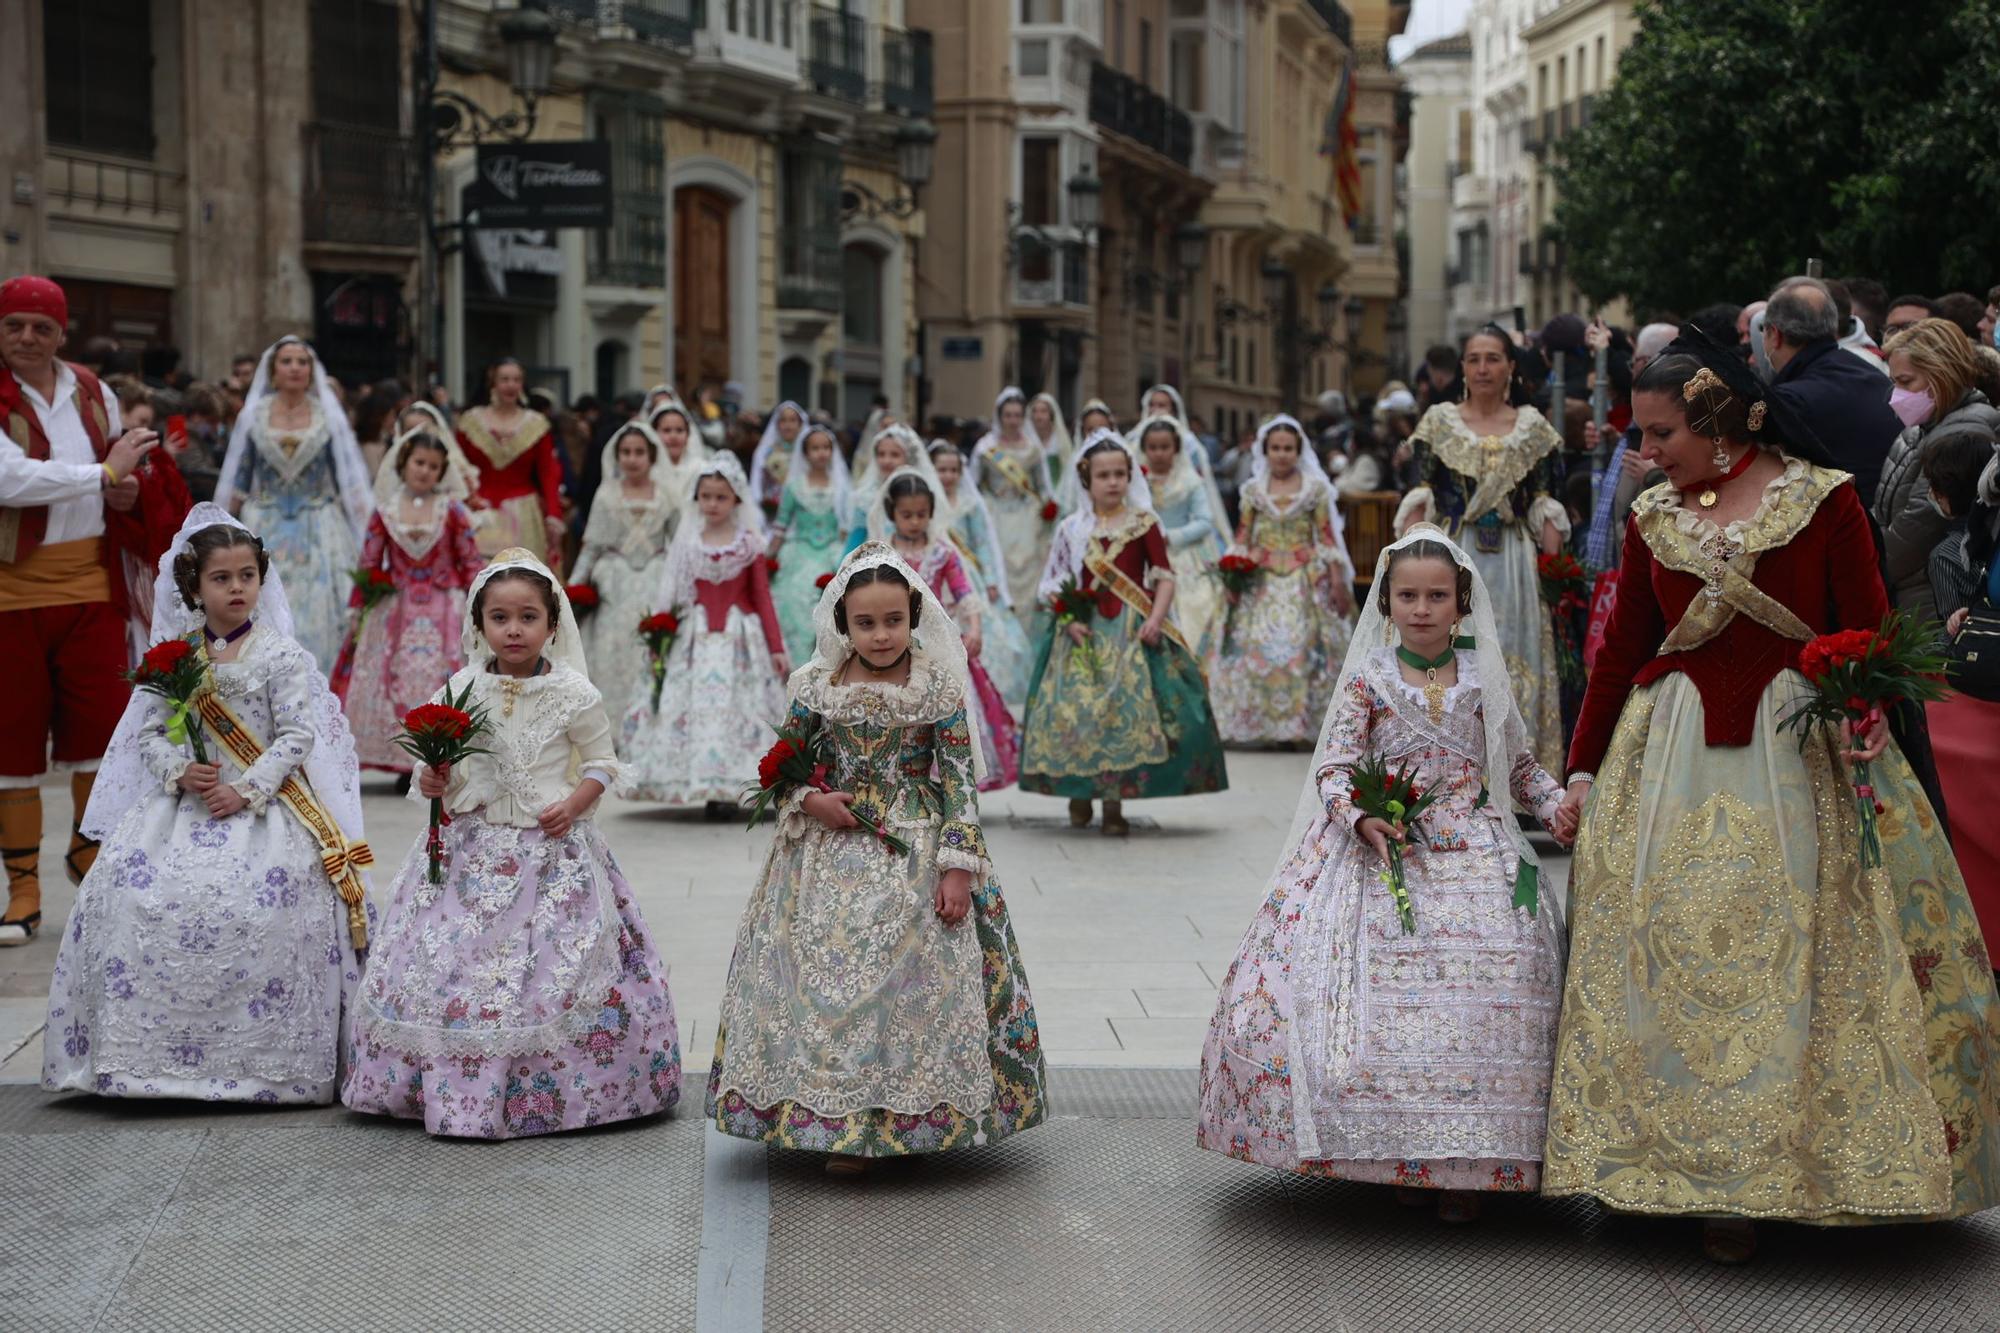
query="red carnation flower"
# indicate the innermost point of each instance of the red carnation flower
(439, 720)
(1049, 511)
(771, 563)
(774, 759)
(164, 656)
(823, 580)
(580, 595)
(660, 622)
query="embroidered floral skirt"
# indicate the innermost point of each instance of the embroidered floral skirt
(855, 1022)
(407, 647)
(515, 522)
(205, 958)
(994, 730)
(1198, 599)
(1342, 1047)
(1527, 632)
(312, 548)
(1118, 720)
(522, 995)
(719, 705)
(795, 587)
(1752, 1024)
(1277, 660)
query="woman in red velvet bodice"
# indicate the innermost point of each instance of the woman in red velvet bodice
(1754, 1024)
(520, 481)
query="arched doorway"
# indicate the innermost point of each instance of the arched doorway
(701, 287)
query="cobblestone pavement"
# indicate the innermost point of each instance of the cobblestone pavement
(169, 1217)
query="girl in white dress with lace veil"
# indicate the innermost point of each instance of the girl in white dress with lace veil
(296, 477)
(1011, 470)
(964, 518)
(773, 459)
(1342, 1045)
(724, 689)
(624, 554)
(1045, 419)
(522, 992)
(209, 955)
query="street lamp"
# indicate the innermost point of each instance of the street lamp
(1327, 300)
(1191, 244)
(916, 153)
(529, 36)
(1277, 282)
(1086, 200)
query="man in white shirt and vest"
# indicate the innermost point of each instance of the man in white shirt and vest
(76, 495)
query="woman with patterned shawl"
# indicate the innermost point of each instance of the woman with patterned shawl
(519, 500)
(1754, 1025)
(1489, 471)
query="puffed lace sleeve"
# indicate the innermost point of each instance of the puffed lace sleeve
(961, 843)
(1353, 722)
(290, 690)
(1062, 559)
(164, 759)
(590, 741)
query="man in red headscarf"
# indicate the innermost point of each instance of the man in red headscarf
(76, 496)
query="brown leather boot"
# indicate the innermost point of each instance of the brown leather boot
(82, 854)
(21, 849)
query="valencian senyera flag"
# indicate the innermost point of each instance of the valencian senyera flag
(1340, 141)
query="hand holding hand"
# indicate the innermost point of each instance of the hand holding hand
(954, 896)
(1570, 812)
(1378, 834)
(1563, 823)
(223, 800)
(198, 778)
(433, 782)
(830, 809)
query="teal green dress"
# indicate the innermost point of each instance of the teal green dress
(813, 541)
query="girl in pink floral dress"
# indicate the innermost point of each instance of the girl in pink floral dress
(1344, 1044)
(908, 502)
(402, 649)
(522, 993)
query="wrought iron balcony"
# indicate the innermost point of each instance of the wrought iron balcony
(1122, 104)
(838, 62)
(671, 23)
(1337, 18)
(360, 185)
(809, 268)
(906, 73)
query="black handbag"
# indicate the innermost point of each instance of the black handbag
(1974, 656)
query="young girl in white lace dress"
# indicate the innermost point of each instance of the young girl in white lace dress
(522, 994)
(1342, 1045)
(723, 691)
(209, 955)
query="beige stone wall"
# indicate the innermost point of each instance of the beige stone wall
(1571, 53)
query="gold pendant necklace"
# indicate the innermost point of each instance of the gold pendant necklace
(510, 691)
(1434, 697)
(1434, 689)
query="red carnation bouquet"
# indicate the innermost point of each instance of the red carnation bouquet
(376, 586)
(438, 735)
(1049, 511)
(659, 630)
(1564, 591)
(1073, 606)
(803, 757)
(1857, 675)
(1237, 573)
(582, 598)
(1395, 799)
(173, 670)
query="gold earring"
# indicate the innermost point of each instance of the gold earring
(1721, 455)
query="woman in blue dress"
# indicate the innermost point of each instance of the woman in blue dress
(295, 476)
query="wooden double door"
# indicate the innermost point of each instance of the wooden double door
(701, 289)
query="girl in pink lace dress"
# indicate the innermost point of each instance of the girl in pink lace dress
(397, 653)
(1344, 1045)
(908, 502)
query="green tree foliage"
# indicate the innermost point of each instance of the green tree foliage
(1743, 136)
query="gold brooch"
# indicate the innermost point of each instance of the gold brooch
(1757, 411)
(1704, 381)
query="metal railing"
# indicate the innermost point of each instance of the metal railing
(1122, 104)
(1337, 18)
(906, 73)
(130, 186)
(360, 185)
(838, 62)
(667, 22)
(809, 276)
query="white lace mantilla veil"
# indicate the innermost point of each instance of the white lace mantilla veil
(1059, 444)
(837, 473)
(936, 635)
(350, 469)
(460, 478)
(434, 412)
(1311, 467)
(868, 479)
(123, 779)
(666, 472)
(677, 578)
(969, 500)
(1192, 449)
(881, 527)
(1375, 631)
(566, 649)
(1072, 535)
(1072, 496)
(769, 439)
